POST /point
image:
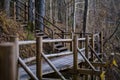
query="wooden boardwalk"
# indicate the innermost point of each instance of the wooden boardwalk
(61, 63)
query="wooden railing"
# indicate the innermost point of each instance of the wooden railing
(14, 49)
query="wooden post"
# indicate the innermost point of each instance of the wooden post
(86, 52)
(80, 42)
(14, 11)
(15, 40)
(92, 56)
(93, 46)
(101, 43)
(71, 46)
(86, 46)
(7, 61)
(75, 58)
(39, 50)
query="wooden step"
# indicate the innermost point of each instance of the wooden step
(40, 34)
(58, 45)
(45, 37)
(61, 49)
(23, 25)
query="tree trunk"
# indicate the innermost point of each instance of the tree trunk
(7, 7)
(85, 16)
(40, 8)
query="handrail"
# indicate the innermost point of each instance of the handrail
(45, 27)
(30, 73)
(57, 40)
(95, 54)
(86, 60)
(52, 66)
(49, 22)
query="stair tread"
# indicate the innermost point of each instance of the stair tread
(59, 44)
(62, 48)
(40, 34)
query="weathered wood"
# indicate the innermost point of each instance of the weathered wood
(86, 46)
(75, 57)
(26, 68)
(93, 47)
(81, 39)
(97, 64)
(101, 42)
(15, 40)
(87, 61)
(39, 48)
(95, 54)
(57, 40)
(26, 42)
(80, 42)
(7, 61)
(49, 56)
(88, 72)
(53, 67)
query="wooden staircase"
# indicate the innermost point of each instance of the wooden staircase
(58, 46)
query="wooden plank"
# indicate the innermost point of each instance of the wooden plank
(26, 68)
(87, 61)
(26, 42)
(97, 64)
(88, 72)
(81, 39)
(49, 56)
(57, 40)
(61, 63)
(53, 67)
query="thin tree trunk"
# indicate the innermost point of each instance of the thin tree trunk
(40, 8)
(7, 7)
(85, 16)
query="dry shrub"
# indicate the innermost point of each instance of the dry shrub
(10, 27)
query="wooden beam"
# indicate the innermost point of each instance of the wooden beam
(101, 42)
(39, 48)
(88, 72)
(93, 47)
(15, 40)
(26, 68)
(86, 46)
(8, 63)
(52, 66)
(75, 57)
(97, 64)
(57, 40)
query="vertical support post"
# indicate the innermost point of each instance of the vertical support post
(80, 42)
(39, 50)
(92, 56)
(14, 11)
(53, 48)
(71, 46)
(7, 61)
(93, 46)
(75, 58)
(86, 52)
(101, 43)
(86, 46)
(15, 40)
